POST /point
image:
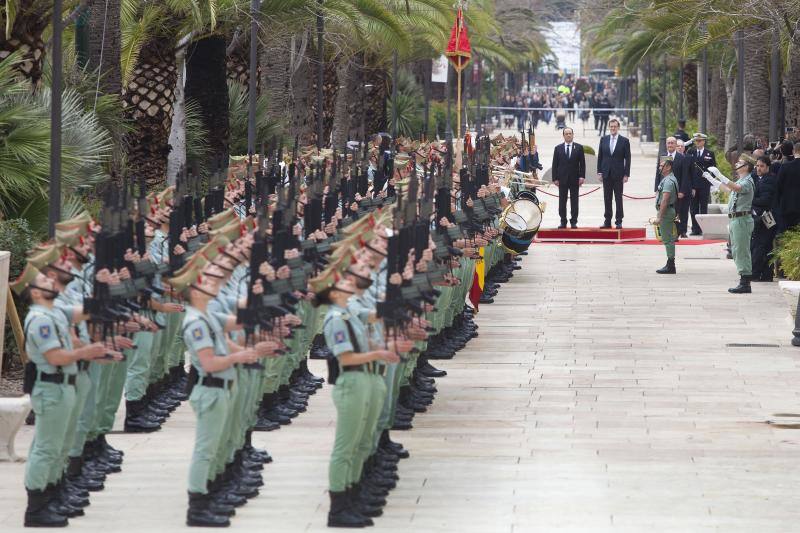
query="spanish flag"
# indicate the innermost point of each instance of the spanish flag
(478, 281)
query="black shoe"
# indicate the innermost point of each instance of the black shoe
(618, 225)
(563, 225)
(136, 419)
(39, 514)
(431, 371)
(684, 236)
(696, 233)
(362, 506)
(200, 514)
(607, 225)
(743, 287)
(341, 514)
(573, 225)
(265, 424)
(669, 268)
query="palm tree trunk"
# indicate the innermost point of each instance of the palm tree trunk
(276, 75)
(300, 97)
(177, 135)
(207, 84)
(341, 109)
(791, 84)
(718, 108)
(26, 37)
(756, 85)
(356, 107)
(690, 89)
(375, 99)
(147, 101)
(104, 42)
(730, 115)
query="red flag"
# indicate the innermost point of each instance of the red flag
(475, 291)
(459, 51)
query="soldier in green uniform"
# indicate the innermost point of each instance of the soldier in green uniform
(666, 200)
(213, 358)
(741, 223)
(54, 372)
(347, 337)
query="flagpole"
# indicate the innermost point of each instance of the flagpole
(458, 107)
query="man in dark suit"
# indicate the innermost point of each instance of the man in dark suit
(789, 191)
(569, 173)
(613, 169)
(765, 198)
(700, 159)
(680, 133)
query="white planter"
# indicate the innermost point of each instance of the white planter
(790, 291)
(714, 226)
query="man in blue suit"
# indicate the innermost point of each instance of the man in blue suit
(613, 169)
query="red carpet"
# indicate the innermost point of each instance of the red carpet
(645, 242)
(601, 235)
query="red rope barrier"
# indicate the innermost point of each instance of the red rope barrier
(556, 196)
(639, 197)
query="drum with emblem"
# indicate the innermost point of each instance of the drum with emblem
(520, 222)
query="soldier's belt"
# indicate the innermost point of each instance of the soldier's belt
(355, 368)
(58, 379)
(216, 383)
(738, 214)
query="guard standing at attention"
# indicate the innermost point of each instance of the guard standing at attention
(665, 219)
(50, 378)
(741, 224)
(701, 160)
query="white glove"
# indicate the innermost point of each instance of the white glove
(720, 176)
(711, 179)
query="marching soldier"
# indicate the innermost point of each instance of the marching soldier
(665, 208)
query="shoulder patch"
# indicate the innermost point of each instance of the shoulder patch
(44, 331)
(339, 338)
(197, 333)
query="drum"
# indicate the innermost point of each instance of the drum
(520, 222)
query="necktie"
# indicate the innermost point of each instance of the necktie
(569, 149)
(613, 143)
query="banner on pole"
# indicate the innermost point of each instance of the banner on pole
(439, 70)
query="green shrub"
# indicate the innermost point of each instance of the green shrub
(588, 150)
(787, 253)
(16, 237)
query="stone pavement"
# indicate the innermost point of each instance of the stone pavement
(599, 396)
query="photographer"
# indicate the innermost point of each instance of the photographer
(765, 204)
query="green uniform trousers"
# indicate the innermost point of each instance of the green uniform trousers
(741, 229)
(668, 232)
(75, 438)
(350, 396)
(112, 395)
(53, 405)
(368, 440)
(211, 406)
(138, 371)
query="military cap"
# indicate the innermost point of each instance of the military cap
(45, 257)
(666, 159)
(80, 222)
(185, 278)
(27, 276)
(699, 136)
(221, 219)
(69, 237)
(401, 158)
(748, 158)
(231, 231)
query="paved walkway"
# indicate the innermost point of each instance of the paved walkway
(599, 396)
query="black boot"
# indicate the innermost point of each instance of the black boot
(669, 268)
(38, 514)
(394, 447)
(361, 506)
(199, 513)
(137, 419)
(341, 515)
(743, 287)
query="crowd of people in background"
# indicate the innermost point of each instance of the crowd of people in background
(572, 98)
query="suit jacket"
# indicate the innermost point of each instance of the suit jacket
(569, 171)
(614, 165)
(678, 170)
(766, 194)
(707, 160)
(789, 187)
